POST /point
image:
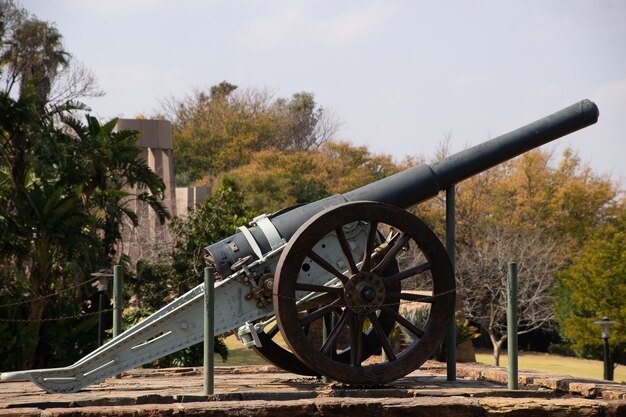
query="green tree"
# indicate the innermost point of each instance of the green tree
(47, 239)
(303, 125)
(215, 219)
(65, 189)
(594, 286)
(32, 53)
(35, 54)
(114, 175)
(182, 269)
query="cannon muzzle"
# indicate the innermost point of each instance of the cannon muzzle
(422, 182)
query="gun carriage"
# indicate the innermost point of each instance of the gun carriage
(352, 262)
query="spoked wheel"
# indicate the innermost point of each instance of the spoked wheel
(361, 296)
(273, 352)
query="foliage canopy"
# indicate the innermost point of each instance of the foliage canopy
(221, 129)
(594, 286)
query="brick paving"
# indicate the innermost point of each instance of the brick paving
(264, 390)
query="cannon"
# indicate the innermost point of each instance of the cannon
(334, 279)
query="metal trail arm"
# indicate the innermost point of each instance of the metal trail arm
(174, 327)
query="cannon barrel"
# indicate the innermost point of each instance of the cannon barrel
(422, 182)
(414, 185)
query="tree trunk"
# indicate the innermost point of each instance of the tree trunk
(30, 341)
(497, 346)
(39, 274)
(33, 327)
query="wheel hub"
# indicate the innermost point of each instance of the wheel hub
(364, 291)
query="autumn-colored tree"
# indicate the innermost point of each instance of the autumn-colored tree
(218, 130)
(274, 180)
(528, 210)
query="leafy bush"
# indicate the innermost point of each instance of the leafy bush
(561, 349)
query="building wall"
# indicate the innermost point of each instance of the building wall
(188, 197)
(150, 238)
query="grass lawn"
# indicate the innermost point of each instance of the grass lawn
(239, 355)
(582, 368)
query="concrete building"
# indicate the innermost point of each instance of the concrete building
(150, 237)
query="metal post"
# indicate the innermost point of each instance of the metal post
(100, 320)
(102, 285)
(117, 303)
(450, 238)
(117, 300)
(611, 367)
(605, 331)
(511, 315)
(209, 330)
(607, 364)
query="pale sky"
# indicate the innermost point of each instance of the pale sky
(398, 75)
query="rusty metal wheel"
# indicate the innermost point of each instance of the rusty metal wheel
(273, 352)
(346, 270)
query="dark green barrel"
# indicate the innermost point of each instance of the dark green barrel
(409, 187)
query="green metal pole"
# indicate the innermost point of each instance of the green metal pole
(450, 237)
(118, 276)
(512, 324)
(209, 330)
(100, 320)
(117, 300)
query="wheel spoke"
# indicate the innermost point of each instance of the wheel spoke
(369, 247)
(332, 337)
(392, 253)
(382, 336)
(345, 247)
(408, 273)
(356, 340)
(301, 286)
(306, 328)
(327, 266)
(404, 322)
(321, 312)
